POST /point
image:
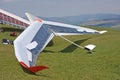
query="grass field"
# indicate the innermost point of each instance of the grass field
(65, 61)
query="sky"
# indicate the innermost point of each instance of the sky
(60, 8)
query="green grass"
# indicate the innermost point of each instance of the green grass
(67, 62)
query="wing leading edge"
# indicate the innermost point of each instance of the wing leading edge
(65, 29)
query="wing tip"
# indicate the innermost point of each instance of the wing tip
(102, 32)
(33, 69)
(32, 18)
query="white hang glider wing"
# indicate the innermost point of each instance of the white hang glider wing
(34, 39)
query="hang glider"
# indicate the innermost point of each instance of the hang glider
(35, 38)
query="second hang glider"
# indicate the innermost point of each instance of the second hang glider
(35, 38)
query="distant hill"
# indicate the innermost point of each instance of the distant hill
(103, 23)
(116, 26)
(99, 20)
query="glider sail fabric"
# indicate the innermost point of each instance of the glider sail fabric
(35, 38)
(31, 42)
(67, 30)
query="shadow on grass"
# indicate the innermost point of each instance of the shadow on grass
(51, 43)
(27, 71)
(42, 75)
(45, 51)
(72, 47)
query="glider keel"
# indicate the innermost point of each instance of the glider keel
(33, 69)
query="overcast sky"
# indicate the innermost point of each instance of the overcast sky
(58, 8)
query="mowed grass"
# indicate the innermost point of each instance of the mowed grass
(67, 62)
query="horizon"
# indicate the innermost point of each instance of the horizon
(73, 15)
(83, 15)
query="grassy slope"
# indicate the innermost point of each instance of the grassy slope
(70, 64)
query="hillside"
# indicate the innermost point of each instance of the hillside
(65, 61)
(116, 26)
(97, 20)
(103, 23)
